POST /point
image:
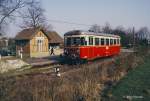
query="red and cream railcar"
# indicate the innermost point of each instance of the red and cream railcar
(88, 45)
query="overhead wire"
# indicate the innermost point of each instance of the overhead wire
(68, 22)
(62, 21)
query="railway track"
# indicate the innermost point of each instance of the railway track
(64, 68)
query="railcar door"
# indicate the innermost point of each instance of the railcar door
(107, 48)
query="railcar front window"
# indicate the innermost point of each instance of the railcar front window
(68, 42)
(76, 41)
(83, 41)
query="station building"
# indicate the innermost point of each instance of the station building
(34, 43)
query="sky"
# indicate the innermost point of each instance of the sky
(127, 13)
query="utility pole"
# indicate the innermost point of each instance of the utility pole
(133, 31)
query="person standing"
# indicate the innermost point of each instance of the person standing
(52, 51)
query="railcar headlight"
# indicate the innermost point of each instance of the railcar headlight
(65, 51)
(78, 50)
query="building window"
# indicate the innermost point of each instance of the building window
(40, 45)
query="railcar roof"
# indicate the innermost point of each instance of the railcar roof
(80, 32)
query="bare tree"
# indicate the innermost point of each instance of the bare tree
(120, 27)
(107, 28)
(95, 28)
(34, 17)
(9, 10)
(143, 33)
(131, 36)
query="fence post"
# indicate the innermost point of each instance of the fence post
(57, 71)
(0, 57)
(21, 53)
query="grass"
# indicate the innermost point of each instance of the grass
(135, 84)
(27, 70)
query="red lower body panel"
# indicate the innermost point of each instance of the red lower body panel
(92, 52)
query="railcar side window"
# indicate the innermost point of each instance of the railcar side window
(114, 41)
(96, 41)
(107, 41)
(102, 41)
(118, 41)
(68, 42)
(90, 40)
(111, 41)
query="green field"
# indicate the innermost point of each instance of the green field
(135, 85)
